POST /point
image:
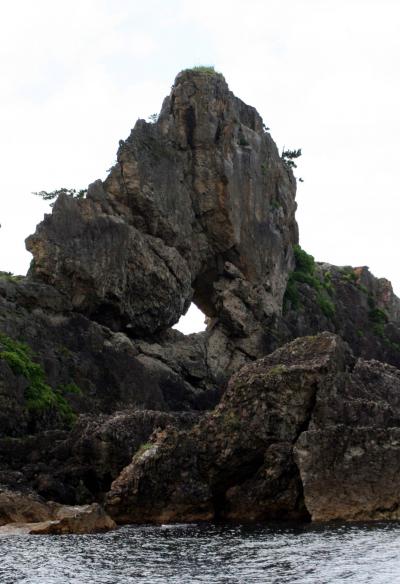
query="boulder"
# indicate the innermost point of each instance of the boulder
(61, 520)
(237, 462)
(22, 507)
(308, 432)
(349, 457)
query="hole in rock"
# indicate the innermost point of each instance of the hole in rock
(191, 322)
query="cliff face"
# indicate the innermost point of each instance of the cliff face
(348, 301)
(202, 187)
(199, 206)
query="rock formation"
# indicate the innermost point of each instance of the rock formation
(351, 302)
(97, 389)
(307, 430)
(201, 187)
(27, 513)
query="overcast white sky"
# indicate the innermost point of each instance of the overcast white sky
(324, 74)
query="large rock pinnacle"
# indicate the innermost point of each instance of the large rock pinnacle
(99, 395)
(202, 188)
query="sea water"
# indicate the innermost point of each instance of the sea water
(209, 554)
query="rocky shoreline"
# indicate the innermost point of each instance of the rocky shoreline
(285, 408)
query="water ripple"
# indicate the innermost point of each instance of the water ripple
(207, 554)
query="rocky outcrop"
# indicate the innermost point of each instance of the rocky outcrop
(78, 466)
(199, 205)
(202, 186)
(97, 389)
(79, 520)
(27, 513)
(348, 301)
(243, 446)
(85, 366)
(349, 457)
(19, 507)
(306, 431)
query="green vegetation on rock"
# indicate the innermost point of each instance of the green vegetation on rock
(378, 318)
(377, 315)
(275, 205)
(39, 395)
(289, 155)
(304, 272)
(10, 277)
(348, 274)
(231, 421)
(206, 69)
(326, 305)
(53, 195)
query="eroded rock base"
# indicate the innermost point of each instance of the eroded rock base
(308, 431)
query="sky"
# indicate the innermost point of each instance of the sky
(324, 74)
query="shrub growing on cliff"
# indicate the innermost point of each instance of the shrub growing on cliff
(304, 261)
(304, 272)
(53, 195)
(378, 318)
(288, 157)
(326, 305)
(39, 395)
(10, 277)
(207, 69)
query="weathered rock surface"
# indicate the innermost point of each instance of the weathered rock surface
(19, 507)
(199, 206)
(306, 431)
(27, 513)
(202, 186)
(244, 444)
(94, 369)
(349, 457)
(78, 466)
(364, 311)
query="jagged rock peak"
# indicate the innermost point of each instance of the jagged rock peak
(199, 191)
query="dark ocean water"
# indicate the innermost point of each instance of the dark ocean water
(184, 554)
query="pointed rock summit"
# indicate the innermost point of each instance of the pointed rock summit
(200, 189)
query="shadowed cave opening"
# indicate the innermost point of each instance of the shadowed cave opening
(194, 321)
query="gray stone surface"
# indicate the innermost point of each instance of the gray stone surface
(306, 432)
(199, 206)
(202, 186)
